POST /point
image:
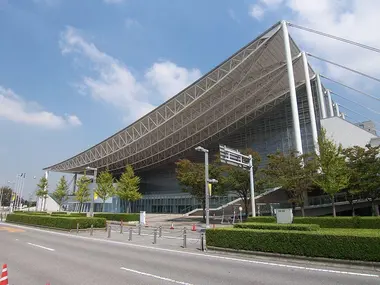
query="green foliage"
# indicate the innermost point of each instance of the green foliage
(334, 173)
(128, 186)
(82, 194)
(327, 243)
(42, 189)
(118, 216)
(364, 166)
(59, 213)
(237, 179)
(61, 192)
(105, 188)
(341, 222)
(6, 193)
(271, 226)
(294, 173)
(31, 213)
(191, 177)
(261, 219)
(57, 222)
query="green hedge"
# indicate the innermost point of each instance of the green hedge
(57, 222)
(329, 244)
(270, 226)
(118, 216)
(31, 213)
(58, 213)
(261, 219)
(328, 222)
(341, 222)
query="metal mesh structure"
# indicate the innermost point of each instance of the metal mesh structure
(243, 102)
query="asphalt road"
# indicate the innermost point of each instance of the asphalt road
(36, 257)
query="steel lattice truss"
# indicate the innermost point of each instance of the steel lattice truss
(248, 84)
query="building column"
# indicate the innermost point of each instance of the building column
(330, 103)
(343, 116)
(310, 102)
(321, 97)
(292, 89)
(75, 182)
(337, 111)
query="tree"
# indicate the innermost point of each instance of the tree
(105, 188)
(61, 192)
(237, 179)
(364, 166)
(191, 177)
(334, 173)
(42, 191)
(294, 173)
(6, 195)
(127, 188)
(82, 194)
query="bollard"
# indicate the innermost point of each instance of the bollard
(121, 226)
(139, 229)
(77, 228)
(130, 234)
(92, 230)
(184, 237)
(155, 236)
(160, 231)
(202, 242)
(109, 231)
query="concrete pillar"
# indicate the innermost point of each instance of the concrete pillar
(330, 103)
(321, 97)
(310, 102)
(337, 109)
(75, 182)
(292, 89)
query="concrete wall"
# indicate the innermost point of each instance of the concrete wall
(50, 206)
(345, 133)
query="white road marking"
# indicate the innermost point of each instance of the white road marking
(40, 246)
(155, 276)
(204, 255)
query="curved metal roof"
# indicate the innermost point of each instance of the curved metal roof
(245, 85)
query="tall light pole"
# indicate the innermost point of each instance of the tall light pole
(92, 190)
(207, 202)
(10, 198)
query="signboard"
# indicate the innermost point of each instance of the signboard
(233, 157)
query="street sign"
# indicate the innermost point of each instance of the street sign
(233, 157)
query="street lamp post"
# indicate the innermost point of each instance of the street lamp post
(92, 190)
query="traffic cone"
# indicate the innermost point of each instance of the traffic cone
(4, 275)
(193, 228)
(172, 227)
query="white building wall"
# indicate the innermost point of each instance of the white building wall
(346, 133)
(50, 206)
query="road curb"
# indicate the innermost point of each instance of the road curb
(368, 264)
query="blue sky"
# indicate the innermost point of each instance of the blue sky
(73, 72)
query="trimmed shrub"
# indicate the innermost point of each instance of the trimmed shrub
(118, 216)
(271, 226)
(58, 213)
(31, 213)
(57, 222)
(261, 219)
(341, 222)
(329, 244)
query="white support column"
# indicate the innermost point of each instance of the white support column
(321, 97)
(292, 89)
(310, 102)
(337, 111)
(343, 116)
(330, 103)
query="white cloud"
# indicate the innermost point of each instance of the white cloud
(233, 16)
(115, 84)
(16, 109)
(256, 11)
(272, 3)
(168, 78)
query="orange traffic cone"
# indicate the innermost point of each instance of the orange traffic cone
(172, 227)
(4, 275)
(193, 228)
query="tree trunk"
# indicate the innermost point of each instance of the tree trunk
(375, 208)
(80, 207)
(353, 209)
(303, 210)
(333, 205)
(246, 205)
(104, 202)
